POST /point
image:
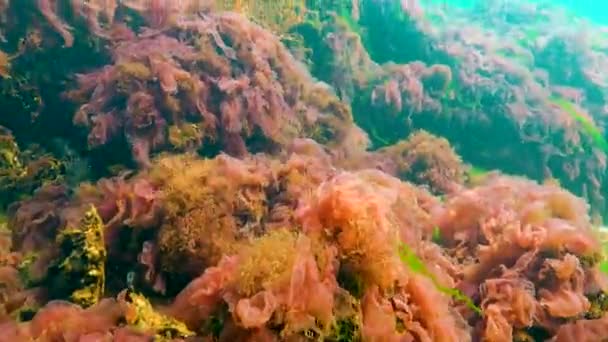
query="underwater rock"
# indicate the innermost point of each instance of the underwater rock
(141, 316)
(79, 270)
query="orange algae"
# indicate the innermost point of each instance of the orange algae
(429, 160)
(355, 211)
(4, 65)
(197, 240)
(202, 201)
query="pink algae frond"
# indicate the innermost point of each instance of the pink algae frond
(358, 211)
(192, 89)
(535, 240)
(275, 276)
(91, 11)
(200, 298)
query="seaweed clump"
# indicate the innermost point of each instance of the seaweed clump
(22, 172)
(524, 243)
(329, 264)
(141, 316)
(228, 83)
(205, 221)
(276, 282)
(427, 160)
(79, 271)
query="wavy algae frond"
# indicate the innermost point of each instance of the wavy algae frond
(416, 265)
(587, 125)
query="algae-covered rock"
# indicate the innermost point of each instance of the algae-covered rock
(11, 167)
(23, 171)
(141, 315)
(79, 273)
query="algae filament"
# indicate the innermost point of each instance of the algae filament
(415, 264)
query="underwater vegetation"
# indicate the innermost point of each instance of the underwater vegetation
(363, 170)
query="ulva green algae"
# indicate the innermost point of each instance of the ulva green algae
(416, 265)
(604, 262)
(587, 125)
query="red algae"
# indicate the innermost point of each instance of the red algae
(274, 242)
(270, 93)
(536, 244)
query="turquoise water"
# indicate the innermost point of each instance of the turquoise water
(595, 11)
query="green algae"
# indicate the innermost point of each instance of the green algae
(416, 265)
(587, 125)
(599, 305)
(436, 237)
(603, 265)
(346, 329)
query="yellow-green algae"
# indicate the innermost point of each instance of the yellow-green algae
(348, 320)
(11, 167)
(81, 268)
(599, 305)
(26, 269)
(21, 172)
(183, 136)
(143, 317)
(522, 336)
(4, 223)
(603, 257)
(587, 125)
